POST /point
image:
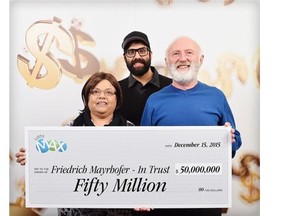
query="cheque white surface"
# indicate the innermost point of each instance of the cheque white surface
(127, 167)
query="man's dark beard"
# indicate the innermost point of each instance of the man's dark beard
(138, 72)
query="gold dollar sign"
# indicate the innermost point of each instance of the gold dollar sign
(118, 70)
(229, 64)
(226, 2)
(252, 193)
(51, 31)
(165, 2)
(84, 64)
(249, 176)
(256, 67)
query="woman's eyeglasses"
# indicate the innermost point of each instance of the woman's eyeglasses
(97, 92)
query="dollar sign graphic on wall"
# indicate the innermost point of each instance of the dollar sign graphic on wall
(250, 177)
(46, 72)
(84, 64)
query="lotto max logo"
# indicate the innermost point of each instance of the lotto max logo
(44, 145)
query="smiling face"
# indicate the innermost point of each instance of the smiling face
(102, 99)
(140, 63)
(184, 59)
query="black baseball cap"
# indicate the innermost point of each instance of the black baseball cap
(135, 36)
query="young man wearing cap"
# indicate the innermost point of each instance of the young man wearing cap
(143, 79)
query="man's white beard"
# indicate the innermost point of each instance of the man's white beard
(184, 77)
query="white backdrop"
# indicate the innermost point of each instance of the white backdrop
(228, 34)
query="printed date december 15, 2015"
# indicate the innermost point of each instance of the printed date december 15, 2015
(197, 145)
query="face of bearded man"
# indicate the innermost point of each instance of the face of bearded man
(138, 71)
(185, 76)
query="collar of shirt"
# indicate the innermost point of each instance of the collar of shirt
(155, 79)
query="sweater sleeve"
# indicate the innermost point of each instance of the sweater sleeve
(238, 142)
(228, 117)
(146, 119)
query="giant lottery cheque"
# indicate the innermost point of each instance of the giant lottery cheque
(128, 167)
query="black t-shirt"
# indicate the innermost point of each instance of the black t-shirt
(135, 95)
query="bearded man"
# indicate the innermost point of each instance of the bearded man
(188, 102)
(143, 79)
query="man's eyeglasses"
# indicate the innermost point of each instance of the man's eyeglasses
(143, 51)
(97, 92)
